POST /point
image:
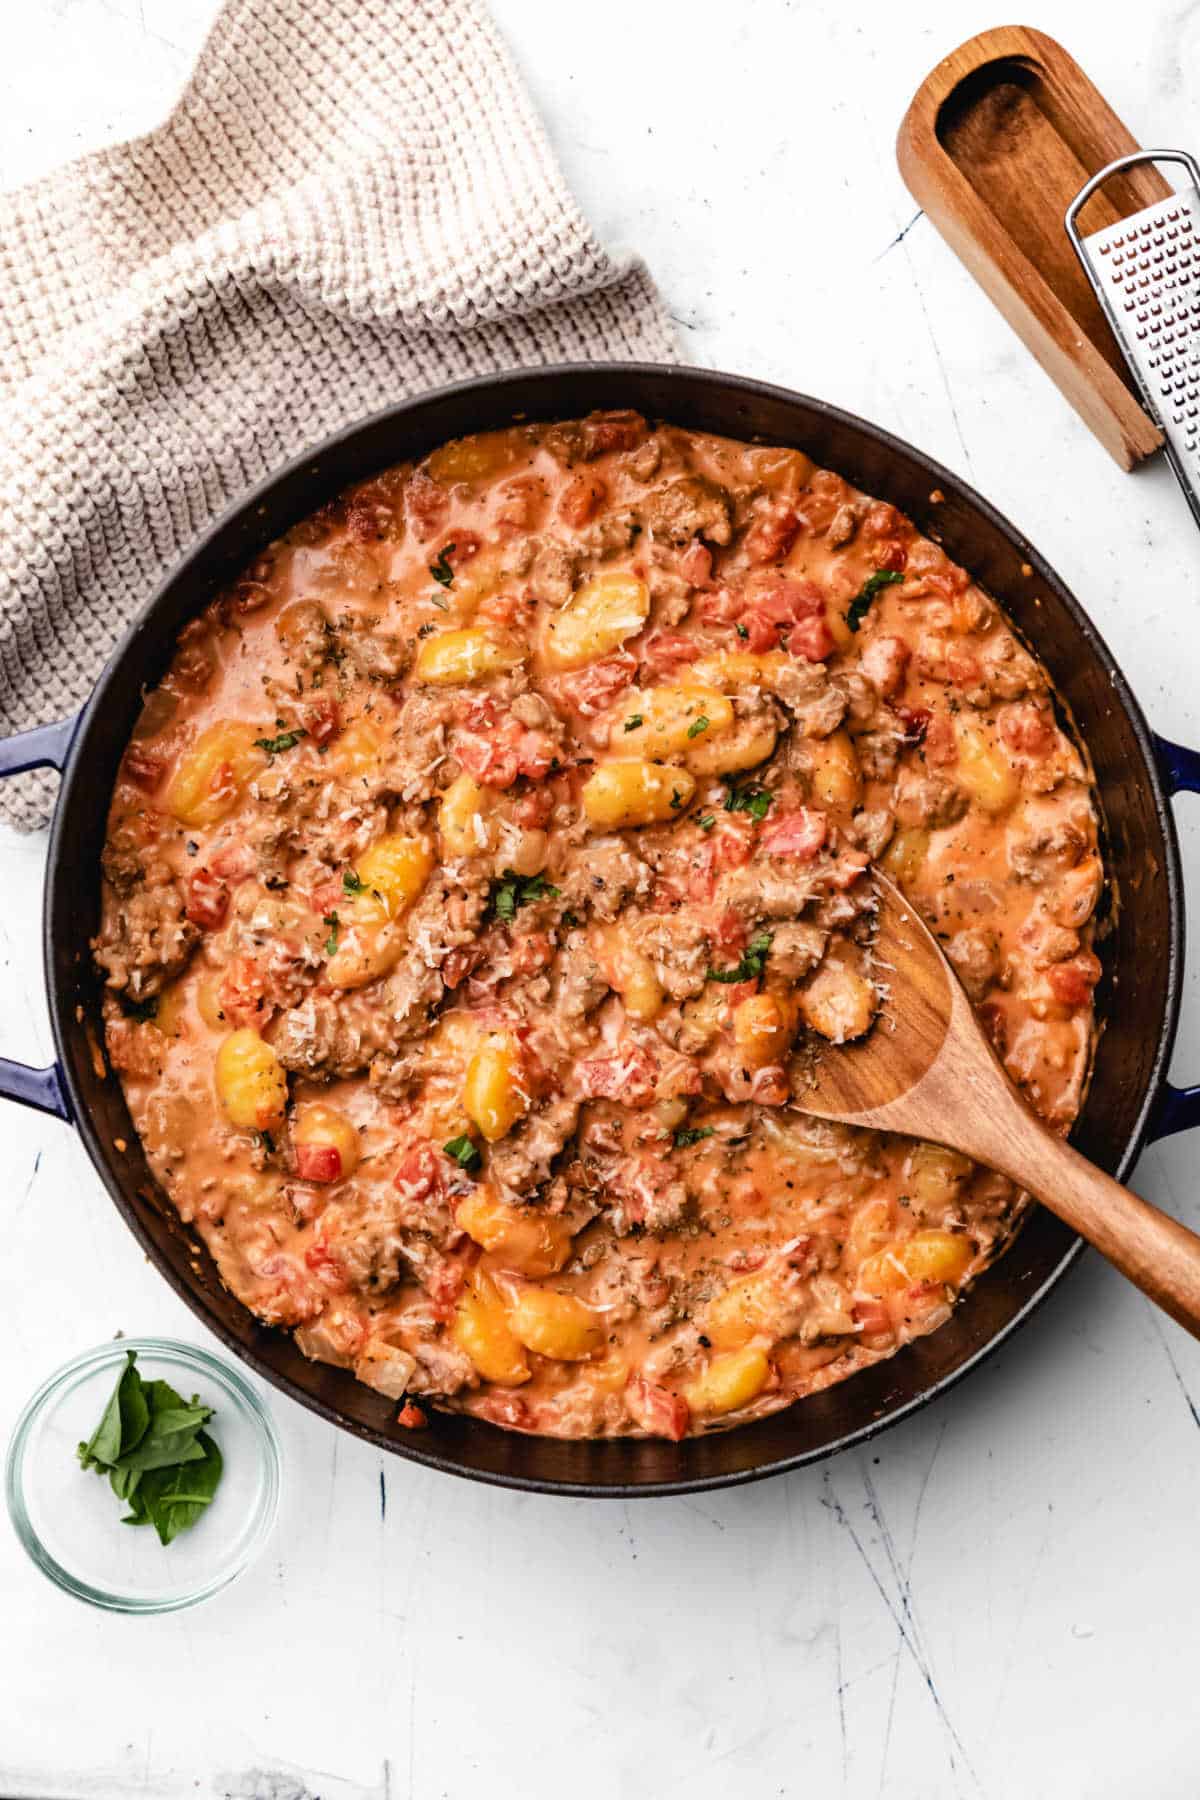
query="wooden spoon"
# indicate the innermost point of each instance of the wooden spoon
(926, 1069)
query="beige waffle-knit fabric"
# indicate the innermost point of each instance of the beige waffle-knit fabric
(353, 201)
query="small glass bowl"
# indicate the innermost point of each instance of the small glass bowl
(68, 1518)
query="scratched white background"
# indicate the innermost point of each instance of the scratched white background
(1000, 1598)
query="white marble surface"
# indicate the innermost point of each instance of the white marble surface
(999, 1598)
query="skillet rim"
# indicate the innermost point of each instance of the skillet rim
(612, 373)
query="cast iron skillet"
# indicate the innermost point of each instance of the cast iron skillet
(1129, 1099)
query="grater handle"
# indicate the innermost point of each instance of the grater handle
(1183, 468)
(1116, 167)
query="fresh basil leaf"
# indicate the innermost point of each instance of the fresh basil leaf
(352, 882)
(707, 822)
(697, 726)
(124, 1420)
(633, 721)
(867, 594)
(331, 942)
(178, 1499)
(166, 1466)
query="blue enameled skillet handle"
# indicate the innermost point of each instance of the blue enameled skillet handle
(1178, 1109)
(45, 747)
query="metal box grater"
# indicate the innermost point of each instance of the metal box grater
(1146, 273)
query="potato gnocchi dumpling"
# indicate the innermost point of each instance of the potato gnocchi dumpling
(487, 872)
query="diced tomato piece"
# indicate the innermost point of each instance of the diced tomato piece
(458, 550)
(772, 534)
(701, 879)
(581, 500)
(500, 1408)
(419, 1174)
(326, 1266)
(1026, 727)
(799, 834)
(143, 768)
(873, 1316)
(629, 1077)
(881, 520)
(448, 1278)
(721, 606)
(589, 691)
(234, 862)
(318, 1162)
(729, 932)
(322, 721)
(517, 503)
(534, 809)
(656, 1409)
(774, 611)
(732, 841)
(811, 639)
(941, 742)
(605, 431)
(916, 721)
(695, 563)
(507, 750)
(663, 652)
(426, 503)
(459, 963)
(962, 667)
(207, 900)
(1072, 982)
(242, 993)
(892, 556)
(411, 1417)
(500, 608)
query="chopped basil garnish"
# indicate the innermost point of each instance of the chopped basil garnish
(287, 740)
(752, 963)
(443, 570)
(865, 598)
(748, 798)
(633, 721)
(697, 726)
(331, 942)
(462, 1151)
(515, 891)
(692, 1134)
(352, 883)
(707, 822)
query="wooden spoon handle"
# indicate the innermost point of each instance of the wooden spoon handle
(1154, 1251)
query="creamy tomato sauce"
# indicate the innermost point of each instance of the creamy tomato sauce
(481, 868)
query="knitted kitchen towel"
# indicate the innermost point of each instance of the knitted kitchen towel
(352, 201)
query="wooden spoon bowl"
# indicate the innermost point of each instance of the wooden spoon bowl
(926, 1069)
